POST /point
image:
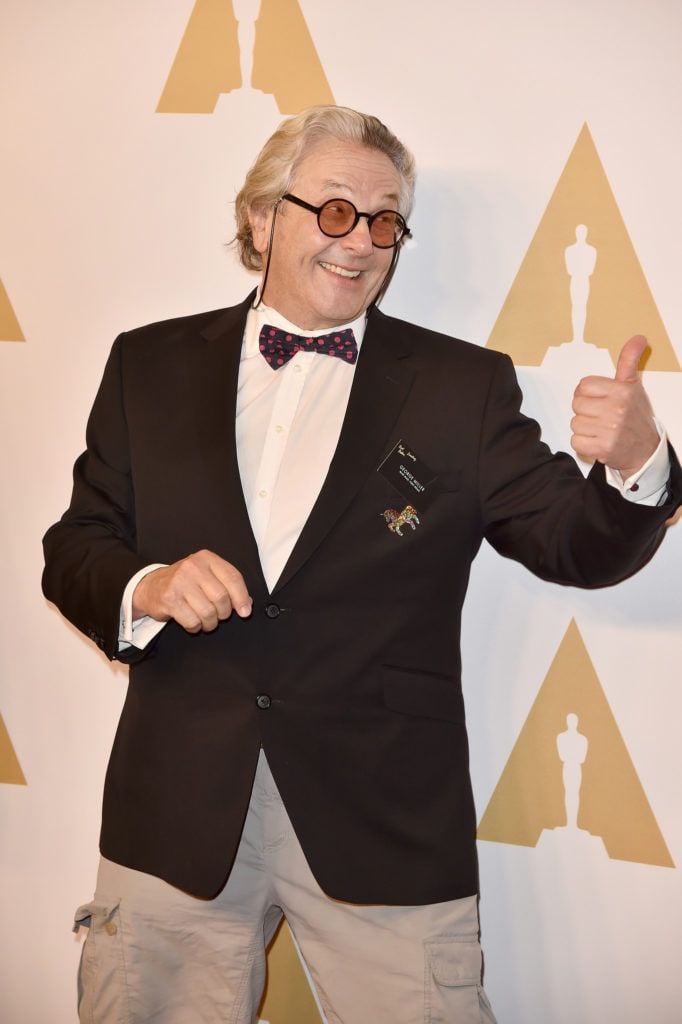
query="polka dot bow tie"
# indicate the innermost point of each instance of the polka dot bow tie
(278, 347)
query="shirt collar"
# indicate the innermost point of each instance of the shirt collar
(267, 315)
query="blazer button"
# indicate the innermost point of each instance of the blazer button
(272, 610)
(263, 701)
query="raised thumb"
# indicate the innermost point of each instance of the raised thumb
(631, 353)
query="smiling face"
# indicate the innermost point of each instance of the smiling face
(316, 281)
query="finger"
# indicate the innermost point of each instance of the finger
(205, 600)
(594, 387)
(221, 582)
(586, 426)
(214, 591)
(193, 619)
(192, 608)
(588, 407)
(235, 587)
(589, 448)
(627, 368)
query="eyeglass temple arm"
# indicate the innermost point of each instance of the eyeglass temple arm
(300, 202)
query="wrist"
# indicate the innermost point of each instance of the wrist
(140, 599)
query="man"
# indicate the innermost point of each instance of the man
(279, 543)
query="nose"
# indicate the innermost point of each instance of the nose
(359, 239)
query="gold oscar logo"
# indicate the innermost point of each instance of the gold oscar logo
(288, 999)
(580, 280)
(9, 325)
(569, 779)
(10, 769)
(258, 45)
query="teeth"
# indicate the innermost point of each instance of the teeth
(340, 270)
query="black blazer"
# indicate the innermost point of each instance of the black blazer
(357, 646)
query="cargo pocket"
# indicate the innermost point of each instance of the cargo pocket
(453, 991)
(102, 990)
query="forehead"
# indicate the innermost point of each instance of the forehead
(335, 168)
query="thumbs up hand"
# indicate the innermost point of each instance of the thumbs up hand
(613, 421)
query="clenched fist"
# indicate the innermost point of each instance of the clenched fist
(198, 592)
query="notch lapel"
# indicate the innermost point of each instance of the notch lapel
(214, 374)
(382, 381)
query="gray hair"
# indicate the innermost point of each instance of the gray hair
(275, 166)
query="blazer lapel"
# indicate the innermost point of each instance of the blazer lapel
(382, 381)
(214, 373)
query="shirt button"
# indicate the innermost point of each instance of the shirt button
(297, 368)
(111, 928)
(279, 428)
(262, 493)
(272, 610)
(263, 701)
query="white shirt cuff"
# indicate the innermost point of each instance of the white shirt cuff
(648, 485)
(137, 632)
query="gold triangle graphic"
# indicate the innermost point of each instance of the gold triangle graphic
(537, 311)
(9, 325)
(208, 63)
(285, 61)
(287, 999)
(529, 796)
(10, 769)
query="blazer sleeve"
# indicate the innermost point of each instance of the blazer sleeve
(538, 509)
(90, 554)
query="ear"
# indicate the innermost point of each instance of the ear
(260, 221)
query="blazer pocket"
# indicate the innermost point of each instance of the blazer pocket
(445, 484)
(422, 694)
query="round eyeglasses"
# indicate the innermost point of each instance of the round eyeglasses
(338, 217)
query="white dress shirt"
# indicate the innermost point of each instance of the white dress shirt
(288, 426)
(287, 429)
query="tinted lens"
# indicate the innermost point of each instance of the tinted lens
(387, 228)
(337, 217)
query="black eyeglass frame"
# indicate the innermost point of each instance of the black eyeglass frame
(371, 217)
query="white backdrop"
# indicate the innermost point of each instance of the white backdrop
(113, 215)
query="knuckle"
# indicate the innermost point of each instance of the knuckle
(184, 567)
(173, 602)
(191, 623)
(193, 561)
(224, 606)
(203, 607)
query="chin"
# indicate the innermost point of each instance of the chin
(345, 312)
